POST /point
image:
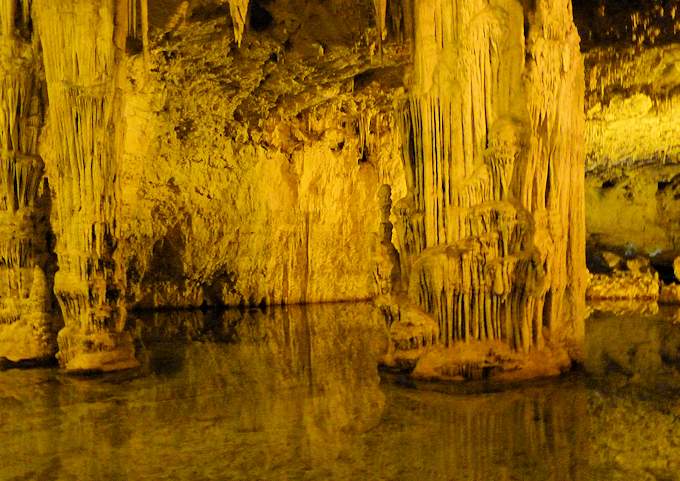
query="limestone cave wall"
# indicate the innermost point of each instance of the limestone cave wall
(632, 145)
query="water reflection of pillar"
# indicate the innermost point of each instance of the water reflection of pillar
(295, 385)
(528, 434)
(329, 352)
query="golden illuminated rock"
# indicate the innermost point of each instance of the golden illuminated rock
(670, 294)
(632, 148)
(624, 307)
(224, 152)
(82, 69)
(27, 321)
(491, 234)
(612, 260)
(676, 268)
(243, 187)
(624, 285)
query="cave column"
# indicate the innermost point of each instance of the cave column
(556, 93)
(27, 327)
(493, 225)
(83, 70)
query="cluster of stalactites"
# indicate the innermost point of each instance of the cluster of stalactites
(474, 298)
(81, 91)
(26, 322)
(20, 116)
(394, 18)
(19, 107)
(133, 18)
(468, 59)
(553, 188)
(76, 51)
(397, 10)
(20, 179)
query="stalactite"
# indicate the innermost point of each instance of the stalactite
(381, 17)
(83, 161)
(132, 20)
(26, 11)
(7, 16)
(145, 29)
(494, 215)
(239, 16)
(27, 328)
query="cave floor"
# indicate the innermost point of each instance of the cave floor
(294, 394)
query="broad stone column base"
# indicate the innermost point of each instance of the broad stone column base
(28, 330)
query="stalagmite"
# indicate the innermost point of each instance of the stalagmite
(27, 325)
(82, 70)
(493, 227)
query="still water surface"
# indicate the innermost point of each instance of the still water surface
(294, 394)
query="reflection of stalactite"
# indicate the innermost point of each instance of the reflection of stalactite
(493, 217)
(83, 161)
(26, 324)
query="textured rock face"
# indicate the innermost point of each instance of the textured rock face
(212, 152)
(632, 149)
(27, 320)
(250, 174)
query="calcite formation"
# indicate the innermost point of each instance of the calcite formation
(27, 320)
(81, 45)
(251, 174)
(203, 153)
(491, 233)
(239, 16)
